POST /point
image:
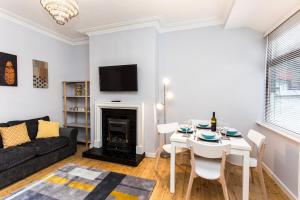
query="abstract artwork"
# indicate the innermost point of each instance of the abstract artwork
(40, 74)
(8, 70)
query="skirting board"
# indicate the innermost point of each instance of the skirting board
(151, 154)
(282, 186)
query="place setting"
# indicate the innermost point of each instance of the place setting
(186, 129)
(222, 133)
(230, 132)
(209, 136)
(203, 125)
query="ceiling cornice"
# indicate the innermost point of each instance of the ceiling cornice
(4, 14)
(122, 26)
(189, 24)
(155, 22)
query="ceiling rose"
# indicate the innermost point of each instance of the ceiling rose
(61, 10)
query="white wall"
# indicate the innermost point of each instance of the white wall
(65, 62)
(212, 69)
(281, 157)
(127, 47)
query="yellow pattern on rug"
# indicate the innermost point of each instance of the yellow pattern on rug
(123, 196)
(81, 186)
(57, 180)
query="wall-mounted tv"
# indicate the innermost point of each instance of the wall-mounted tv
(118, 78)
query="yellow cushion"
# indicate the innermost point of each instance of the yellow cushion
(48, 129)
(14, 135)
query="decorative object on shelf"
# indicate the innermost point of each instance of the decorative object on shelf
(78, 90)
(76, 110)
(8, 70)
(62, 11)
(40, 74)
(80, 109)
(167, 95)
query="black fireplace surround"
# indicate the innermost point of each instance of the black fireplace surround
(119, 135)
(119, 130)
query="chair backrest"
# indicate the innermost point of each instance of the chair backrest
(208, 151)
(167, 128)
(257, 138)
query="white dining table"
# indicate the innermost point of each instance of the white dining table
(239, 146)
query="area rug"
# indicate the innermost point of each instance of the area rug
(75, 182)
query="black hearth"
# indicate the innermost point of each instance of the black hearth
(119, 134)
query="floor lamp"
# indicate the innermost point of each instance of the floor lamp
(163, 106)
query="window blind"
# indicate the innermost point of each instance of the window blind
(282, 106)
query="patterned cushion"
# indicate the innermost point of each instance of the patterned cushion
(1, 143)
(14, 135)
(32, 125)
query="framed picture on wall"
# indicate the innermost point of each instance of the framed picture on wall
(40, 74)
(8, 70)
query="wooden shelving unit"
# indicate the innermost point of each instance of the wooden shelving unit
(77, 108)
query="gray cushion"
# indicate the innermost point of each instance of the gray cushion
(14, 156)
(47, 145)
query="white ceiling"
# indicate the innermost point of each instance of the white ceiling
(109, 15)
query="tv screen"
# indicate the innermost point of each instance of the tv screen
(118, 78)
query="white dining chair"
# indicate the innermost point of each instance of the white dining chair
(208, 161)
(258, 141)
(164, 129)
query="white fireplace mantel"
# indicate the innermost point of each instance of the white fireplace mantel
(139, 107)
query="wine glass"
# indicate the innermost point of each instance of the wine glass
(187, 126)
(223, 127)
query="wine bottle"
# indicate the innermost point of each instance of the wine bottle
(213, 123)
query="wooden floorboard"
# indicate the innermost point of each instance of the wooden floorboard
(202, 189)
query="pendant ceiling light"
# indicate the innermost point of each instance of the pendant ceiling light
(61, 10)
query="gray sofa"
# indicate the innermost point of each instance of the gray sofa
(23, 160)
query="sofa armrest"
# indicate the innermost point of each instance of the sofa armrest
(69, 133)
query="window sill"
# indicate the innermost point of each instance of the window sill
(285, 133)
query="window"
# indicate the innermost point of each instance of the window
(283, 76)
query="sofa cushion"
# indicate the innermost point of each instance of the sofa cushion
(1, 142)
(14, 156)
(32, 125)
(48, 129)
(14, 135)
(46, 145)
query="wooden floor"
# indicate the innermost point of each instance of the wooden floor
(202, 189)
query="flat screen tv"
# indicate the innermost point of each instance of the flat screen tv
(118, 78)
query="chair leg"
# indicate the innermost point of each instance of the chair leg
(262, 182)
(224, 187)
(189, 189)
(157, 157)
(185, 159)
(252, 175)
(227, 172)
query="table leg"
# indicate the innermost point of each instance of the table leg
(246, 161)
(172, 169)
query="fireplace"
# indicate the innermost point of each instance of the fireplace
(120, 128)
